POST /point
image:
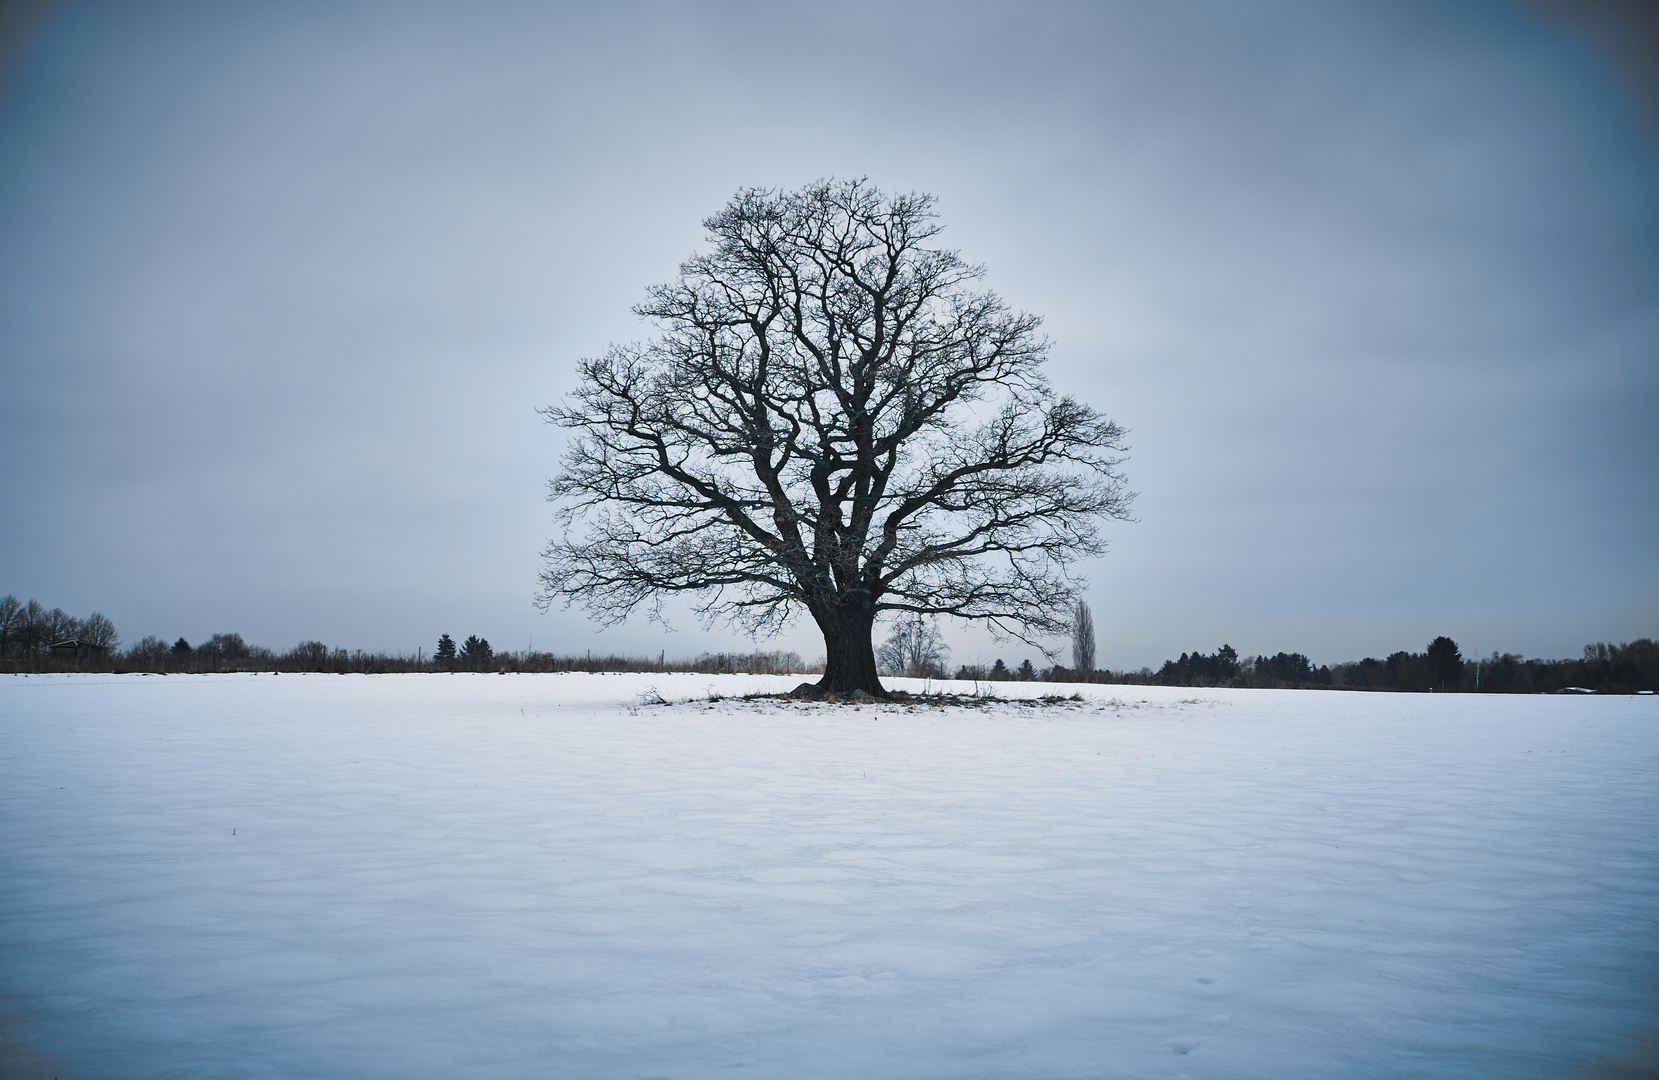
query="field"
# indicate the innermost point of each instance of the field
(420, 876)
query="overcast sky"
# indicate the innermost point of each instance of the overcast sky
(1375, 288)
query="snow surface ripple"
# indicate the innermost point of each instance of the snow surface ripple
(537, 876)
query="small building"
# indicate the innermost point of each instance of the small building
(74, 649)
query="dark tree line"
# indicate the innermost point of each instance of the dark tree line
(1441, 668)
(230, 653)
(28, 630)
(1001, 672)
(1614, 669)
(1225, 668)
(1196, 668)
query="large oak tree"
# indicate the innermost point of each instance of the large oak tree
(833, 416)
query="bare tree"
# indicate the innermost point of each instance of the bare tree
(11, 619)
(224, 647)
(99, 631)
(1082, 640)
(60, 626)
(313, 655)
(150, 650)
(832, 417)
(914, 648)
(33, 625)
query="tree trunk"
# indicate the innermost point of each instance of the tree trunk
(849, 652)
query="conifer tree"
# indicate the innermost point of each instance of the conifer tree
(1445, 663)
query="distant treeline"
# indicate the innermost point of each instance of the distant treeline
(314, 656)
(28, 632)
(1604, 669)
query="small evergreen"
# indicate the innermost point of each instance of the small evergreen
(181, 647)
(1026, 672)
(446, 648)
(1445, 663)
(476, 649)
(1000, 672)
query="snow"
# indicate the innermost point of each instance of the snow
(537, 876)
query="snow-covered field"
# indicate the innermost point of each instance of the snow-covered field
(536, 876)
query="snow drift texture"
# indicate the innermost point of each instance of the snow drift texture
(535, 876)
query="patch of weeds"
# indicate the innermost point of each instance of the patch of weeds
(980, 698)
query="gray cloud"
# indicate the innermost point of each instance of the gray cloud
(1374, 287)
